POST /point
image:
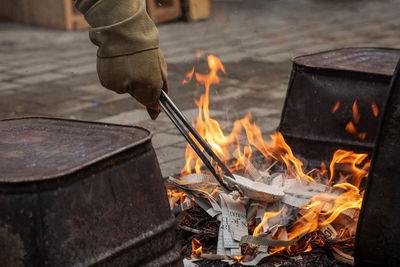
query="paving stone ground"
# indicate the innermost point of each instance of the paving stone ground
(52, 73)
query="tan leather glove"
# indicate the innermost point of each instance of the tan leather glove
(129, 59)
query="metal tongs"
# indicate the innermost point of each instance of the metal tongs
(181, 122)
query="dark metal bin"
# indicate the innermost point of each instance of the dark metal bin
(314, 132)
(378, 232)
(82, 193)
(318, 82)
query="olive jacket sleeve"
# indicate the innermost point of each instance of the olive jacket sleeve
(129, 58)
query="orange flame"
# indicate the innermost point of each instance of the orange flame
(323, 170)
(315, 217)
(308, 249)
(315, 213)
(175, 196)
(276, 148)
(267, 216)
(350, 159)
(237, 258)
(208, 128)
(214, 191)
(223, 145)
(350, 199)
(197, 248)
(189, 76)
(323, 208)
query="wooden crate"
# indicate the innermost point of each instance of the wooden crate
(13, 10)
(196, 9)
(164, 10)
(59, 14)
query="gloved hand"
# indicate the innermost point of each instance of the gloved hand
(129, 59)
(142, 75)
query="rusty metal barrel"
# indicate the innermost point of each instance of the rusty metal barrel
(82, 193)
(319, 82)
(378, 232)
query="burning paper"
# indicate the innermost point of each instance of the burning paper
(237, 216)
(256, 190)
(277, 207)
(233, 225)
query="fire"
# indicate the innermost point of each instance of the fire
(214, 191)
(351, 160)
(189, 76)
(224, 145)
(208, 128)
(237, 258)
(267, 216)
(323, 169)
(350, 199)
(315, 217)
(345, 173)
(276, 148)
(175, 196)
(197, 248)
(324, 209)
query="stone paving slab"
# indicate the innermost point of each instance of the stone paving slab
(129, 117)
(53, 73)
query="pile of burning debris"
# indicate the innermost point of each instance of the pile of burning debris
(272, 206)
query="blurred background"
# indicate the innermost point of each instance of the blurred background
(48, 64)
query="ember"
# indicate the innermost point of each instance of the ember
(276, 207)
